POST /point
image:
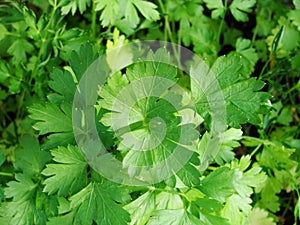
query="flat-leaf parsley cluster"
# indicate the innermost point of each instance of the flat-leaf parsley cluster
(252, 48)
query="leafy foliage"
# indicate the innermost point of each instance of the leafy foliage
(252, 178)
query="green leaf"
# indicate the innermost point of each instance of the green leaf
(64, 219)
(23, 209)
(285, 117)
(209, 219)
(166, 200)
(80, 60)
(260, 216)
(111, 11)
(141, 209)
(69, 175)
(250, 57)
(236, 209)
(189, 175)
(147, 9)
(74, 5)
(22, 189)
(55, 121)
(94, 203)
(153, 121)
(64, 86)
(29, 158)
(229, 140)
(22, 212)
(294, 15)
(243, 100)
(218, 184)
(2, 31)
(19, 49)
(51, 118)
(2, 158)
(218, 8)
(173, 217)
(239, 8)
(245, 181)
(269, 199)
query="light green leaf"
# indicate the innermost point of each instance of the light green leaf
(218, 184)
(229, 141)
(147, 9)
(74, 5)
(66, 219)
(141, 209)
(167, 200)
(173, 217)
(94, 203)
(236, 209)
(260, 216)
(111, 11)
(209, 219)
(243, 100)
(2, 31)
(239, 8)
(69, 175)
(218, 8)
(151, 122)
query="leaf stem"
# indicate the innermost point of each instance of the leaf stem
(222, 22)
(152, 188)
(6, 174)
(94, 17)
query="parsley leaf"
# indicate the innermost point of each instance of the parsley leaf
(69, 175)
(259, 216)
(151, 119)
(241, 96)
(173, 217)
(141, 209)
(29, 158)
(239, 8)
(218, 8)
(19, 49)
(29, 204)
(218, 184)
(74, 5)
(94, 203)
(52, 118)
(113, 13)
(110, 11)
(63, 85)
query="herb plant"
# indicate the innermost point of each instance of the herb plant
(237, 119)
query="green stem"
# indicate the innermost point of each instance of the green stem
(264, 68)
(161, 5)
(261, 141)
(94, 18)
(255, 150)
(152, 188)
(222, 22)
(43, 39)
(6, 174)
